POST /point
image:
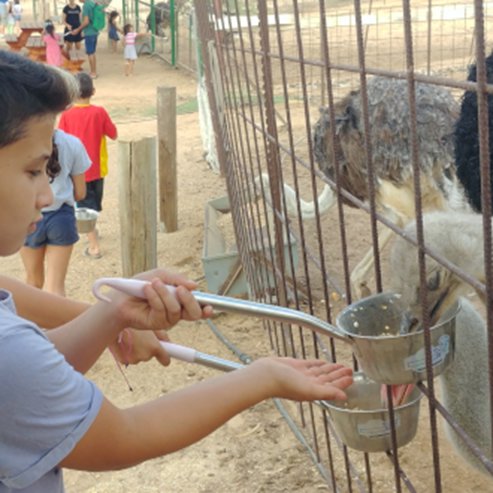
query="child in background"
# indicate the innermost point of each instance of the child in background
(113, 30)
(91, 124)
(54, 417)
(17, 13)
(10, 20)
(52, 42)
(71, 19)
(56, 234)
(130, 53)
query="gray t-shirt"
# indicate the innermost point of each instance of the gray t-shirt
(46, 406)
(74, 160)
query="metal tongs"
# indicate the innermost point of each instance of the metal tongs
(135, 287)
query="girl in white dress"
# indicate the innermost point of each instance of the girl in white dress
(130, 53)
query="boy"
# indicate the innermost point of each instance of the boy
(92, 125)
(51, 416)
(90, 34)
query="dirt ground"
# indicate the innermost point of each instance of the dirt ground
(255, 452)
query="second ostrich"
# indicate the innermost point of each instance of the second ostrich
(390, 140)
(467, 139)
(465, 383)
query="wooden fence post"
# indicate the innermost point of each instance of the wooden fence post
(138, 205)
(166, 130)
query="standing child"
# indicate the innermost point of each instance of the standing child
(17, 13)
(10, 20)
(54, 417)
(56, 234)
(52, 42)
(113, 30)
(92, 125)
(130, 53)
(72, 17)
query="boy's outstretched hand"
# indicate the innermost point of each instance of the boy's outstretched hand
(305, 380)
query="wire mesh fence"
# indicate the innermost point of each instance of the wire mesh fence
(340, 127)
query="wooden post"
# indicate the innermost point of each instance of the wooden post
(138, 205)
(166, 130)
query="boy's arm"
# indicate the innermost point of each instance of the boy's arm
(101, 324)
(45, 309)
(121, 438)
(50, 310)
(80, 188)
(109, 127)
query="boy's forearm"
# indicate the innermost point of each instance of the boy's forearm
(122, 438)
(83, 339)
(45, 309)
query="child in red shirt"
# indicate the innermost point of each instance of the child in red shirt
(92, 125)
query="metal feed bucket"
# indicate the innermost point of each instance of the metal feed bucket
(363, 423)
(86, 219)
(374, 325)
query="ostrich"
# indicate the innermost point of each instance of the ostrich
(390, 139)
(467, 141)
(162, 13)
(465, 383)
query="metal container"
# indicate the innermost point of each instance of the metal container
(221, 262)
(363, 423)
(374, 323)
(86, 219)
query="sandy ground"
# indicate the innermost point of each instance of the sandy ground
(255, 452)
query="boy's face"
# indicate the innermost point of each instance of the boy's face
(24, 185)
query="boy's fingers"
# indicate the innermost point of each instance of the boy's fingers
(191, 308)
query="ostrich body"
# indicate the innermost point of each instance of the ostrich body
(465, 383)
(467, 140)
(390, 139)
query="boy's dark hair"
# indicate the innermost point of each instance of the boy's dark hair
(29, 90)
(86, 87)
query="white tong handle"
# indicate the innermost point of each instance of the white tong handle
(191, 355)
(132, 287)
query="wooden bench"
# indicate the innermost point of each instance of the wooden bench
(14, 43)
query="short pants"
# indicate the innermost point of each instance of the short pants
(91, 43)
(94, 195)
(56, 228)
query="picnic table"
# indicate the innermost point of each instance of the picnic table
(36, 49)
(28, 28)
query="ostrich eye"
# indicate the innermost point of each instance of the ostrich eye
(433, 282)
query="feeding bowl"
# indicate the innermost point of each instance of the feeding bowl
(386, 355)
(363, 422)
(86, 219)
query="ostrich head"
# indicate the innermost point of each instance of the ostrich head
(455, 236)
(390, 136)
(458, 238)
